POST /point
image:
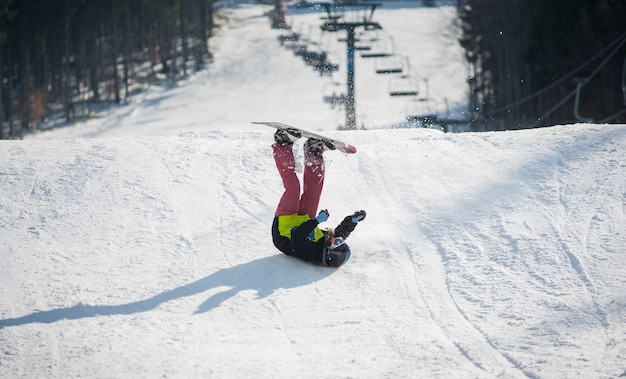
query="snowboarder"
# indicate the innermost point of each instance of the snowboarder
(295, 231)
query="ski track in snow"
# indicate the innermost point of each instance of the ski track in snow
(497, 274)
(147, 252)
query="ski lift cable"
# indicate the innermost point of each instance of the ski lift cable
(621, 38)
(604, 62)
(613, 117)
(624, 81)
(594, 73)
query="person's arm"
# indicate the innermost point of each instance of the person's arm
(346, 227)
(349, 223)
(306, 228)
(303, 231)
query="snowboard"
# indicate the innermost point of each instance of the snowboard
(339, 145)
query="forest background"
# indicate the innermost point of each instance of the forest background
(530, 62)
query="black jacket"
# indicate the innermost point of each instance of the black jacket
(300, 246)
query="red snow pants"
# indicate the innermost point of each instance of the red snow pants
(291, 201)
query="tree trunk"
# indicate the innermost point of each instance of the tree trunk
(201, 49)
(126, 52)
(2, 113)
(114, 53)
(66, 64)
(24, 70)
(183, 34)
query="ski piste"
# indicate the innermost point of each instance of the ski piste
(339, 145)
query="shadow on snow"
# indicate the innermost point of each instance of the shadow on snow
(264, 275)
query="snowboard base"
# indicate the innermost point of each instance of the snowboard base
(339, 145)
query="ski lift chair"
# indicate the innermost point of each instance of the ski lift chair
(326, 65)
(403, 85)
(313, 58)
(288, 37)
(316, 54)
(299, 48)
(361, 43)
(418, 105)
(364, 40)
(419, 109)
(381, 47)
(393, 64)
(331, 95)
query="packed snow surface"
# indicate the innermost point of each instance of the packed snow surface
(138, 244)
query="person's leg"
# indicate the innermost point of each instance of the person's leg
(313, 183)
(286, 165)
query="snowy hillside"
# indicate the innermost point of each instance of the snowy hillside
(151, 256)
(255, 78)
(148, 253)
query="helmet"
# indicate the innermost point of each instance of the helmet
(337, 253)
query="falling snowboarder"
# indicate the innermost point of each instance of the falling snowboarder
(294, 231)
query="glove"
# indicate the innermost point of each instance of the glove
(323, 216)
(358, 216)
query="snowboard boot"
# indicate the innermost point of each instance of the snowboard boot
(358, 216)
(318, 146)
(286, 137)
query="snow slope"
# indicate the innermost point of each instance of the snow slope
(148, 253)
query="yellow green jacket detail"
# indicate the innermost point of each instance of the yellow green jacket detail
(288, 222)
